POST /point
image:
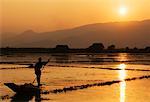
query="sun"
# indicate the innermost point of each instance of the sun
(122, 10)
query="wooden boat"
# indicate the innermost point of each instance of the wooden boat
(26, 88)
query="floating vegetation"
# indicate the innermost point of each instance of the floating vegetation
(72, 88)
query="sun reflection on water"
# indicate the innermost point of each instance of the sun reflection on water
(122, 75)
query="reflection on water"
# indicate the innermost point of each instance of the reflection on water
(26, 97)
(123, 57)
(122, 75)
(122, 91)
(80, 58)
(62, 58)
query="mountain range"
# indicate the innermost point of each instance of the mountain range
(121, 34)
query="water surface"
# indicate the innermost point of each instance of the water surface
(71, 70)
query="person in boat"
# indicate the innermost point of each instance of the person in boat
(37, 68)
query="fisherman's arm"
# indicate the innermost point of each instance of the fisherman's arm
(44, 63)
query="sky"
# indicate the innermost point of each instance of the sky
(49, 15)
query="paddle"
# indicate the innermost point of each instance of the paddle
(41, 70)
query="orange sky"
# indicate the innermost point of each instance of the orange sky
(48, 15)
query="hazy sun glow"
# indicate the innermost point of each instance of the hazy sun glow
(50, 15)
(122, 10)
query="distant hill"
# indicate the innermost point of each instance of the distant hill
(122, 34)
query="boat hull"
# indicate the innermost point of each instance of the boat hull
(25, 88)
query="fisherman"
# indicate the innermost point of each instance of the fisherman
(37, 68)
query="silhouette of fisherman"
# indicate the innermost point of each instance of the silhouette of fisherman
(37, 68)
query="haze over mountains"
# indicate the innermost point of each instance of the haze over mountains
(122, 34)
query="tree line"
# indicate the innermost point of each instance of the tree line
(94, 48)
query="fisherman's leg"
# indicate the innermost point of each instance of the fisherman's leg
(38, 80)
